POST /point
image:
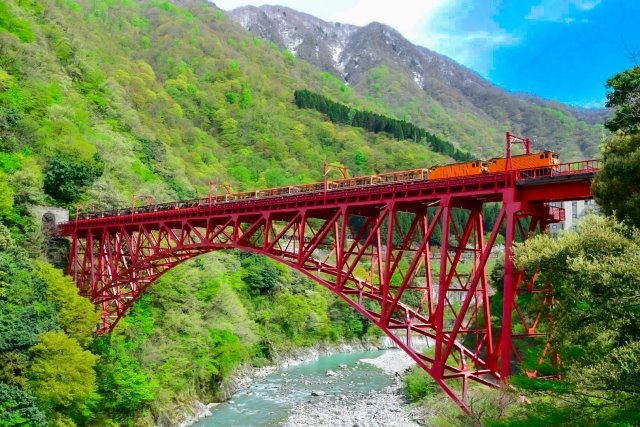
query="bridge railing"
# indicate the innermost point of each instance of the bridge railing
(563, 169)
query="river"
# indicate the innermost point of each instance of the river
(354, 393)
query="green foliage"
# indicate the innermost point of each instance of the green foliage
(12, 24)
(61, 375)
(228, 351)
(6, 196)
(6, 241)
(261, 274)
(596, 323)
(124, 384)
(418, 384)
(77, 316)
(25, 311)
(624, 96)
(372, 122)
(289, 56)
(18, 408)
(66, 177)
(615, 187)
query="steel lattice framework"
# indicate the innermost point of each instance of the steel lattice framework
(369, 245)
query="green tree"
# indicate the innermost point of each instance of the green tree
(123, 382)
(596, 323)
(66, 177)
(617, 186)
(624, 96)
(77, 316)
(18, 408)
(261, 275)
(6, 196)
(61, 376)
(25, 310)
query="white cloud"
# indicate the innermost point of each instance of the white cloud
(560, 10)
(587, 4)
(410, 18)
(536, 12)
(473, 49)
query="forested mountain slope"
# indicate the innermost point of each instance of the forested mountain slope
(429, 89)
(101, 101)
(168, 97)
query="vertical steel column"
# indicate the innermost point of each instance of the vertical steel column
(439, 363)
(511, 207)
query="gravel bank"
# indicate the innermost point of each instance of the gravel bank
(386, 407)
(392, 362)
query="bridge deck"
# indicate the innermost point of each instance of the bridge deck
(570, 182)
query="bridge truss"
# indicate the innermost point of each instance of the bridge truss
(371, 246)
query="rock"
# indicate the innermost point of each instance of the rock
(330, 373)
(343, 366)
(318, 393)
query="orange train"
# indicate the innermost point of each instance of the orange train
(495, 165)
(456, 170)
(544, 159)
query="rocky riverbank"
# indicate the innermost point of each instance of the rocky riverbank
(386, 404)
(382, 408)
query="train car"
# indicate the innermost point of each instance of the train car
(456, 170)
(350, 182)
(305, 188)
(408, 175)
(524, 161)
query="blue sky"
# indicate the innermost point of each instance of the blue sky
(558, 49)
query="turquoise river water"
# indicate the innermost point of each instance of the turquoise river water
(268, 401)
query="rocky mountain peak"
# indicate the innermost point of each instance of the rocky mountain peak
(378, 61)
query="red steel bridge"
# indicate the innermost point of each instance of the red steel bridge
(368, 244)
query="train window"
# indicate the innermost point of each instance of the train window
(542, 156)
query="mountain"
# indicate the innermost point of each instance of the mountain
(430, 89)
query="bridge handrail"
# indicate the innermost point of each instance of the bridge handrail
(564, 169)
(572, 168)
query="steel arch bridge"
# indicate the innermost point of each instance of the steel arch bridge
(367, 244)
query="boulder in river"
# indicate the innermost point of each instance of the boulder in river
(330, 373)
(318, 393)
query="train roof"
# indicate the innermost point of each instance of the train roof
(525, 154)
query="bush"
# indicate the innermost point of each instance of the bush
(418, 384)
